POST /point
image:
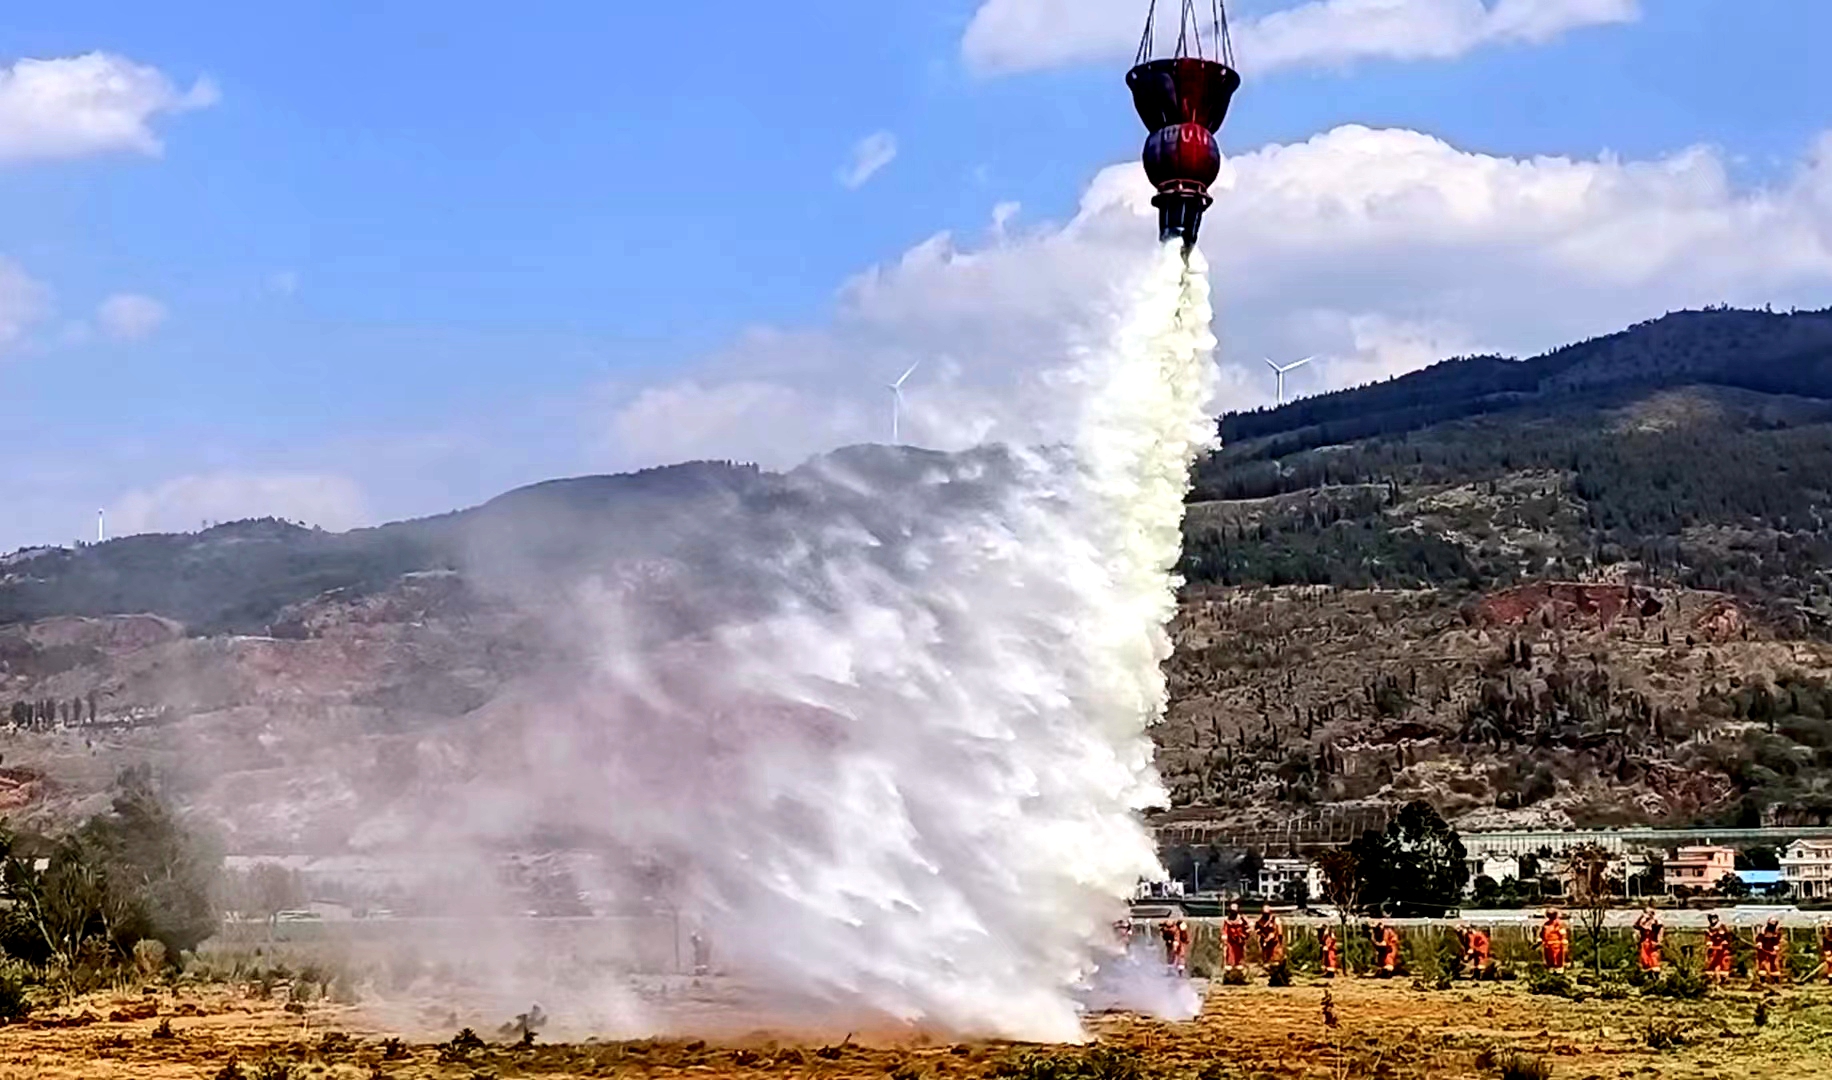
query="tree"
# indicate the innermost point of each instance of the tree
(1416, 867)
(1295, 891)
(1588, 881)
(1341, 879)
(1758, 858)
(1732, 886)
(271, 889)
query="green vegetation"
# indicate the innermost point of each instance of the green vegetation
(127, 891)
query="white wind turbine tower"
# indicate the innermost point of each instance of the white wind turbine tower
(1295, 364)
(896, 390)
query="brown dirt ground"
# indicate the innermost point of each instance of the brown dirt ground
(1386, 1030)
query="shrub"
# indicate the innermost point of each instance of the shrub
(1098, 1063)
(459, 1049)
(231, 1070)
(1514, 1065)
(1680, 985)
(1278, 975)
(164, 1029)
(1553, 983)
(1234, 977)
(14, 1005)
(1664, 1034)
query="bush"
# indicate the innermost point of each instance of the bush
(1553, 983)
(1098, 1063)
(14, 1004)
(1678, 984)
(149, 957)
(1514, 1065)
(1278, 975)
(1664, 1034)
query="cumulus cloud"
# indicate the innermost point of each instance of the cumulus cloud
(129, 316)
(1378, 251)
(1008, 36)
(186, 502)
(23, 301)
(869, 154)
(91, 104)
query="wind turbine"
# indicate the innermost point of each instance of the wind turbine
(1295, 364)
(896, 390)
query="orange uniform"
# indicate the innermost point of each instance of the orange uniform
(1234, 940)
(1651, 935)
(1825, 951)
(1555, 943)
(1176, 943)
(1332, 953)
(1718, 942)
(1768, 952)
(1271, 939)
(1476, 952)
(1386, 949)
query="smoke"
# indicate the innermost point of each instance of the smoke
(876, 726)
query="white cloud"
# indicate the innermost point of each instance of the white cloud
(184, 503)
(1007, 36)
(91, 104)
(23, 301)
(129, 316)
(869, 154)
(1376, 250)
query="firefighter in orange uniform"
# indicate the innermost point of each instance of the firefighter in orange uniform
(1825, 949)
(1332, 951)
(1768, 951)
(1719, 941)
(1271, 936)
(1555, 941)
(1234, 930)
(1475, 949)
(1650, 934)
(1386, 949)
(1176, 936)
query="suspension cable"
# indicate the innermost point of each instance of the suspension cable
(1189, 32)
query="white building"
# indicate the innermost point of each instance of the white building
(1275, 874)
(1806, 869)
(1497, 868)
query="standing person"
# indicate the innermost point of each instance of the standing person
(1234, 938)
(1176, 935)
(1825, 948)
(1386, 949)
(1271, 936)
(1768, 951)
(1650, 934)
(1718, 942)
(1555, 941)
(1475, 949)
(1332, 951)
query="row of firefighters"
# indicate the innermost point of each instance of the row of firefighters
(1554, 943)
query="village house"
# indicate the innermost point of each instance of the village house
(1806, 869)
(1700, 867)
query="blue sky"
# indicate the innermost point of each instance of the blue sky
(389, 261)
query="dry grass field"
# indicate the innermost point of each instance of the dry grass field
(1381, 1030)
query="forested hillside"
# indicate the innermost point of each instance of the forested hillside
(1590, 586)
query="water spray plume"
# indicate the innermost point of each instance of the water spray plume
(896, 776)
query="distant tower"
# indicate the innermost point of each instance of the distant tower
(101, 526)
